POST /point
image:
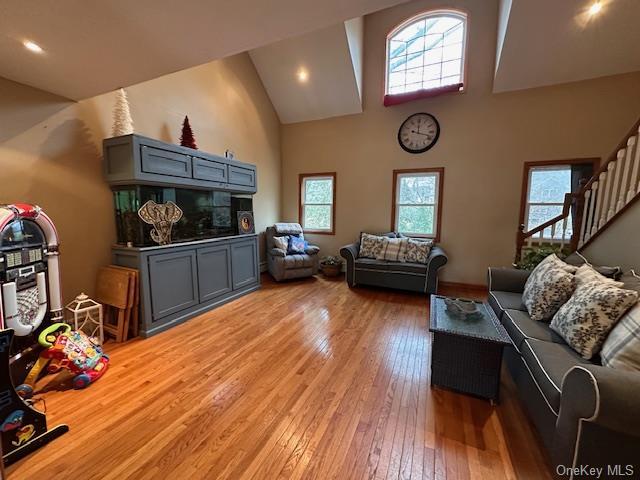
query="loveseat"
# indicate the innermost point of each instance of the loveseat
(415, 277)
(586, 414)
(286, 266)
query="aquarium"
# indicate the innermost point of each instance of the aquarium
(206, 213)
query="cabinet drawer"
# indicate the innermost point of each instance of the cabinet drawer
(214, 272)
(242, 176)
(173, 279)
(209, 170)
(164, 162)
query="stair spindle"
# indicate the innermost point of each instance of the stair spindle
(553, 231)
(634, 186)
(585, 214)
(564, 232)
(624, 186)
(607, 211)
(598, 203)
(616, 186)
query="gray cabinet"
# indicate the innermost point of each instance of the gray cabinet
(214, 272)
(134, 159)
(173, 280)
(244, 259)
(180, 281)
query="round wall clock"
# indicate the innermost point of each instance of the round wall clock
(418, 133)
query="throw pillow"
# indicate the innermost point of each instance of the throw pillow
(393, 249)
(576, 259)
(586, 273)
(591, 312)
(621, 349)
(418, 250)
(547, 289)
(281, 242)
(370, 245)
(296, 245)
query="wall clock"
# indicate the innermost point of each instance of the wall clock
(418, 133)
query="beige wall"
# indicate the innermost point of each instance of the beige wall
(485, 139)
(51, 149)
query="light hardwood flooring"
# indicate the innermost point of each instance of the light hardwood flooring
(304, 380)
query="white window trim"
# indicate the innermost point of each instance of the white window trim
(303, 203)
(432, 13)
(544, 204)
(435, 204)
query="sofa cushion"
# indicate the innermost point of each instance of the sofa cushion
(408, 267)
(391, 267)
(588, 317)
(501, 301)
(548, 363)
(371, 264)
(301, 260)
(520, 327)
(548, 287)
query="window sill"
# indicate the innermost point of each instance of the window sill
(399, 98)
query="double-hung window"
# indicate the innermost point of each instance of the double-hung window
(417, 202)
(317, 202)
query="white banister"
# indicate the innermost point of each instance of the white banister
(624, 186)
(564, 232)
(633, 181)
(616, 186)
(598, 203)
(585, 214)
(606, 212)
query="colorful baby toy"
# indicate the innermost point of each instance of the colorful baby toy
(73, 350)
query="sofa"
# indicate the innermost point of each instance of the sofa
(415, 277)
(284, 266)
(586, 414)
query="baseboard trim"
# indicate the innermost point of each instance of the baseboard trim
(263, 267)
(468, 286)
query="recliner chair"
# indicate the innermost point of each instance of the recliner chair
(283, 266)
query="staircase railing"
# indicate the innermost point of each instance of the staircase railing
(609, 192)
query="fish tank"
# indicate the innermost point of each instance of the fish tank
(206, 213)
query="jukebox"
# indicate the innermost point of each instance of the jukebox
(29, 280)
(30, 300)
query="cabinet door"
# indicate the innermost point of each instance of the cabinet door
(214, 272)
(209, 170)
(173, 278)
(244, 263)
(242, 176)
(165, 162)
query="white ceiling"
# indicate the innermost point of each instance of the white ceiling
(546, 42)
(95, 47)
(332, 59)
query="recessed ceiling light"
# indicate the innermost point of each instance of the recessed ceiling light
(32, 46)
(302, 75)
(595, 8)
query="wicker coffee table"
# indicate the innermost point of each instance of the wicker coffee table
(466, 354)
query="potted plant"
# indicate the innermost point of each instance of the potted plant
(331, 266)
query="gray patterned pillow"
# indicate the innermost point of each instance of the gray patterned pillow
(418, 250)
(591, 312)
(621, 349)
(370, 245)
(547, 289)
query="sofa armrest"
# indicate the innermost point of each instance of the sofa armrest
(350, 253)
(604, 397)
(312, 250)
(437, 259)
(277, 252)
(505, 279)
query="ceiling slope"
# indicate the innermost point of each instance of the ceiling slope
(547, 42)
(95, 47)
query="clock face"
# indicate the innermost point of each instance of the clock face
(418, 133)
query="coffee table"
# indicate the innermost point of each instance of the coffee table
(466, 353)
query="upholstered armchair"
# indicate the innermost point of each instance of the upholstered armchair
(284, 266)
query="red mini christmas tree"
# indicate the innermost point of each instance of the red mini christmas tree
(187, 140)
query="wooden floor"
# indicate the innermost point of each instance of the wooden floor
(301, 380)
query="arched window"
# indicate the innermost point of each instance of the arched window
(425, 55)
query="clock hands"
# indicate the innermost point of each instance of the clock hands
(420, 133)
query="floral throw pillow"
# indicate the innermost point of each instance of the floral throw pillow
(370, 245)
(548, 287)
(418, 250)
(588, 317)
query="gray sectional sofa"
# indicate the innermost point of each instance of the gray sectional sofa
(415, 277)
(586, 414)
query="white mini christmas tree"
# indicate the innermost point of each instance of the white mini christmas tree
(122, 122)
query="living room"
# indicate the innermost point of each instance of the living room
(292, 204)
